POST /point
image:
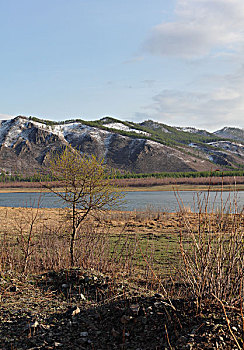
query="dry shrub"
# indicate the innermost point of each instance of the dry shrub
(35, 247)
(212, 250)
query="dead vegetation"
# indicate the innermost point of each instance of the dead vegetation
(143, 182)
(180, 272)
(198, 181)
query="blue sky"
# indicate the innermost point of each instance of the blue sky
(178, 62)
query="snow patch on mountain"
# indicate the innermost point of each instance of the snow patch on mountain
(189, 129)
(122, 127)
(107, 142)
(192, 145)
(12, 130)
(232, 147)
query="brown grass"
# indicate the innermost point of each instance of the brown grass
(150, 182)
(195, 255)
(161, 184)
(203, 250)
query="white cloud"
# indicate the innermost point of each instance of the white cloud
(200, 27)
(221, 107)
(208, 30)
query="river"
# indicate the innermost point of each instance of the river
(140, 200)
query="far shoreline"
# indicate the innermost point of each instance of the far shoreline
(175, 187)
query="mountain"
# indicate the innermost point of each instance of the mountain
(27, 143)
(231, 133)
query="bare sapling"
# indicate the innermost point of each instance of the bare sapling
(26, 225)
(86, 188)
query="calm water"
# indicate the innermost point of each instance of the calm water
(165, 200)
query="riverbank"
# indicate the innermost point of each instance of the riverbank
(173, 187)
(214, 183)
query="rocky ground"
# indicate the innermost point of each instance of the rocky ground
(74, 309)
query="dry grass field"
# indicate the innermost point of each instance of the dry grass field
(156, 232)
(142, 280)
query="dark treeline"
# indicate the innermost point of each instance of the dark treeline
(142, 182)
(177, 175)
(123, 182)
(205, 181)
(5, 177)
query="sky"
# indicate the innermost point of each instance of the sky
(179, 62)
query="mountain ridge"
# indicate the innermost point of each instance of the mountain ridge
(26, 144)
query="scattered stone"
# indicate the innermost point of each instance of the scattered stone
(82, 297)
(84, 334)
(130, 322)
(56, 344)
(135, 308)
(31, 325)
(45, 326)
(73, 311)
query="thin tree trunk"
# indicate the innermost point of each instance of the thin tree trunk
(72, 241)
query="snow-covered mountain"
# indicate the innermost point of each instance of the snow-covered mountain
(231, 133)
(27, 143)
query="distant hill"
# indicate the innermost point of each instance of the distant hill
(26, 145)
(231, 133)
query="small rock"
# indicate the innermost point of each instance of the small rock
(34, 324)
(157, 304)
(46, 326)
(84, 334)
(73, 311)
(135, 308)
(31, 325)
(56, 344)
(82, 297)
